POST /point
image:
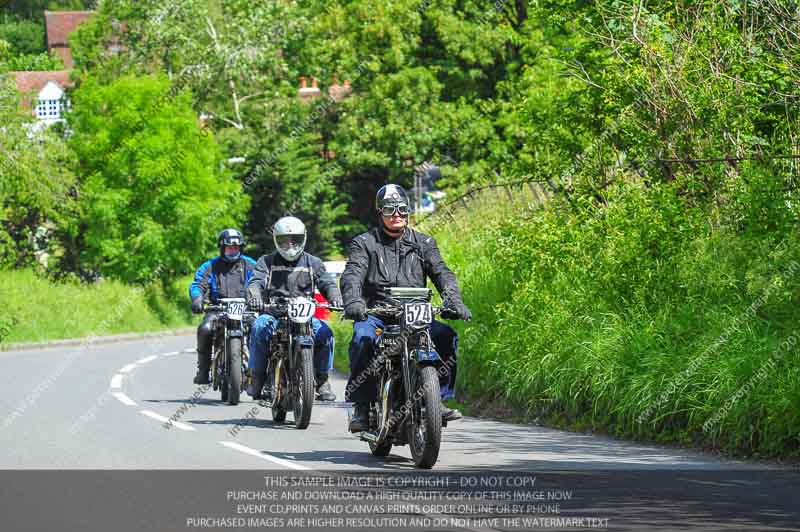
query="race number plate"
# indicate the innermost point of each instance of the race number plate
(301, 309)
(235, 310)
(418, 313)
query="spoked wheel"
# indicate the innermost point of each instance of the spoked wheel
(234, 370)
(425, 432)
(279, 388)
(304, 388)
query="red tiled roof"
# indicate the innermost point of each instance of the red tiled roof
(34, 81)
(61, 23)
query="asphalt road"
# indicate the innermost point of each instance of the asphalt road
(104, 407)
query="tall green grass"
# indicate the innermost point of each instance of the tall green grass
(646, 318)
(35, 309)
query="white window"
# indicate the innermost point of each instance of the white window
(49, 110)
(50, 103)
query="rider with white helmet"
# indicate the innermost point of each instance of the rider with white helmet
(286, 273)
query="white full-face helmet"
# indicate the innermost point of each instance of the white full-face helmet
(289, 235)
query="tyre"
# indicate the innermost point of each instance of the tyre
(233, 370)
(425, 433)
(303, 388)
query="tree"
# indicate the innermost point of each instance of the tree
(36, 184)
(32, 9)
(42, 61)
(298, 185)
(153, 195)
(25, 36)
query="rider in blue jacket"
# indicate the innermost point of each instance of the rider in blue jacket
(220, 277)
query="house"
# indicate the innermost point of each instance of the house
(43, 93)
(59, 24)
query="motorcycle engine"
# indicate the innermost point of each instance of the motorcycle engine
(390, 341)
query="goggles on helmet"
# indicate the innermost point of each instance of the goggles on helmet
(391, 210)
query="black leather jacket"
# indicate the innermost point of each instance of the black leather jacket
(276, 277)
(377, 261)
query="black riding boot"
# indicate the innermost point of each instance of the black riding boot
(360, 420)
(203, 365)
(259, 378)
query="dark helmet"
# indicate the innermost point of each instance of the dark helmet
(391, 196)
(230, 237)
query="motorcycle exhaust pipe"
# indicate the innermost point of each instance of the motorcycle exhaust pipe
(276, 385)
(384, 426)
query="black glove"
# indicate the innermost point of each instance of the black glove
(336, 301)
(355, 310)
(456, 309)
(256, 302)
(197, 305)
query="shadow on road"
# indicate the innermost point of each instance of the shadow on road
(340, 457)
(536, 448)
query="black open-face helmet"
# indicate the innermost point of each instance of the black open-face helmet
(230, 237)
(391, 198)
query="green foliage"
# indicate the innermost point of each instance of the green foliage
(634, 318)
(25, 36)
(107, 307)
(41, 61)
(153, 196)
(32, 9)
(297, 185)
(36, 184)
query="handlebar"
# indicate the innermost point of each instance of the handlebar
(273, 308)
(392, 311)
(211, 307)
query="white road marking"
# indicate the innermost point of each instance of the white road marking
(171, 354)
(145, 360)
(264, 456)
(127, 368)
(189, 351)
(176, 424)
(116, 380)
(124, 399)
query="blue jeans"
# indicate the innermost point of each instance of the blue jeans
(362, 387)
(261, 333)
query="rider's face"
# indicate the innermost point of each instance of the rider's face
(231, 250)
(395, 222)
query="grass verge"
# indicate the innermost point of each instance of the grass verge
(36, 309)
(640, 319)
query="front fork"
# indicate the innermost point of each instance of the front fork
(296, 343)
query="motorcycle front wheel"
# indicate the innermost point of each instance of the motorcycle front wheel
(304, 388)
(425, 432)
(234, 370)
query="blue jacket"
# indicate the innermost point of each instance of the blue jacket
(217, 278)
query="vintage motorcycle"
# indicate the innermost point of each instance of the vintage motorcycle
(290, 368)
(407, 368)
(229, 363)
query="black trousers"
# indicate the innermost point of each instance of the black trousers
(205, 334)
